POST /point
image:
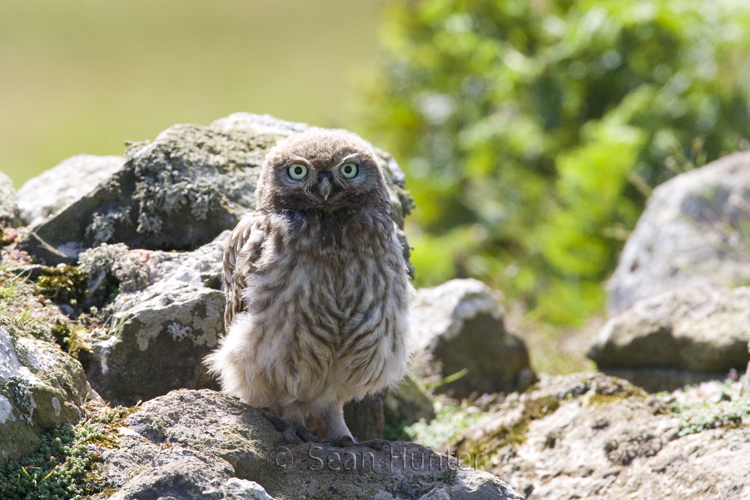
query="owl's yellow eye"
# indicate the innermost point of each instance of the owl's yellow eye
(349, 170)
(297, 171)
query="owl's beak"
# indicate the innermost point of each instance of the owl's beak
(324, 185)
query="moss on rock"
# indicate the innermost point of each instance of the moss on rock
(63, 285)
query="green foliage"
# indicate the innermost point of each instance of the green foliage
(66, 464)
(451, 419)
(10, 286)
(58, 470)
(63, 284)
(70, 336)
(532, 132)
(697, 414)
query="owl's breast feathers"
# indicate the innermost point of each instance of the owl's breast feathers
(328, 297)
(338, 244)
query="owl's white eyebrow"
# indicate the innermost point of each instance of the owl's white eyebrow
(346, 158)
(299, 159)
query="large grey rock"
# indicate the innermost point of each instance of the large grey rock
(682, 336)
(695, 231)
(179, 191)
(8, 206)
(593, 436)
(460, 327)
(189, 429)
(159, 332)
(53, 190)
(139, 469)
(40, 387)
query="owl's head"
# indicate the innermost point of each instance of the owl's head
(320, 169)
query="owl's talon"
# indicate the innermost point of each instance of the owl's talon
(290, 431)
(293, 430)
(342, 442)
(271, 416)
(306, 434)
(290, 436)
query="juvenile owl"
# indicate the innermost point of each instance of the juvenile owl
(317, 287)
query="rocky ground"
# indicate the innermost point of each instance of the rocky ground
(110, 294)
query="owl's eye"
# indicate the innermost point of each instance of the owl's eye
(349, 170)
(297, 171)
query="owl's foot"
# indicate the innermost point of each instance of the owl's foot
(342, 442)
(290, 430)
(346, 441)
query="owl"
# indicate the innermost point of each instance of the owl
(317, 288)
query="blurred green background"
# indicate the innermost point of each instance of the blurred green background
(83, 76)
(532, 131)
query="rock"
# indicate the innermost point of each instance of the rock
(179, 191)
(141, 469)
(694, 232)
(40, 387)
(168, 316)
(461, 327)
(198, 439)
(594, 436)
(53, 190)
(679, 337)
(8, 207)
(180, 473)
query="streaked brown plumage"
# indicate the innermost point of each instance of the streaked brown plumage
(316, 284)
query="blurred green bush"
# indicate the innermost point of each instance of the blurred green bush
(533, 131)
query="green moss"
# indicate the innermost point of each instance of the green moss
(26, 324)
(66, 465)
(69, 337)
(22, 308)
(540, 407)
(505, 439)
(599, 399)
(62, 333)
(602, 399)
(58, 469)
(63, 285)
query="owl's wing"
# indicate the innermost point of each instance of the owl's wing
(243, 250)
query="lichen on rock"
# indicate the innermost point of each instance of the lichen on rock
(40, 387)
(21, 396)
(159, 332)
(180, 191)
(111, 269)
(204, 427)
